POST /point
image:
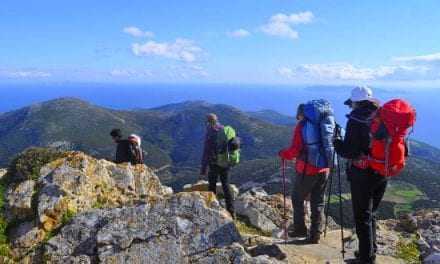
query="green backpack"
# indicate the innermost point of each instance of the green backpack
(228, 148)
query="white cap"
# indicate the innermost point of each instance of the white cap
(362, 93)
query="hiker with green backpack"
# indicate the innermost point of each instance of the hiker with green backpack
(221, 152)
(312, 147)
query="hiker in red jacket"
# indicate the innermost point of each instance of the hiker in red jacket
(310, 180)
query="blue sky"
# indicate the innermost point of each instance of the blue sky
(394, 43)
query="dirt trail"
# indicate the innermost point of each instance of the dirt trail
(328, 251)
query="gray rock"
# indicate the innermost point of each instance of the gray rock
(263, 211)
(24, 237)
(231, 254)
(202, 186)
(434, 258)
(19, 200)
(273, 251)
(428, 229)
(183, 228)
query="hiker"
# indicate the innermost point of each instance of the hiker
(365, 146)
(211, 162)
(367, 187)
(313, 150)
(136, 153)
(122, 147)
(126, 149)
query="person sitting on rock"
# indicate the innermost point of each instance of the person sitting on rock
(123, 147)
(209, 160)
(312, 168)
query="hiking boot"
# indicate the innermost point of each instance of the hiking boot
(313, 239)
(357, 255)
(298, 232)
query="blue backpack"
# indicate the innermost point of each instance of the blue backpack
(318, 130)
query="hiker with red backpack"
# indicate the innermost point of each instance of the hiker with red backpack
(374, 143)
(312, 147)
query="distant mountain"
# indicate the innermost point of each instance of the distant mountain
(172, 134)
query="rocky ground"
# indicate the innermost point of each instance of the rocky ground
(76, 209)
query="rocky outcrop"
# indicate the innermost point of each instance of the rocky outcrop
(83, 210)
(184, 228)
(71, 185)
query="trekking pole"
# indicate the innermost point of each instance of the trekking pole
(330, 186)
(341, 213)
(283, 173)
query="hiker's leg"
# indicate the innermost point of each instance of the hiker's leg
(317, 203)
(378, 194)
(224, 178)
(298, 204)
(361, 194)
(303, 186)
(212, 178)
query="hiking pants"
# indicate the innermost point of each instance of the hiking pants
(216, 172)
(315, 186)
(367, 190)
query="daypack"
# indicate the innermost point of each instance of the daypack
(228, 147)
(318, 130)
(388, 132)
(136, 154)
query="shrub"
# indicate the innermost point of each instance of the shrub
(27, 165)
(409, 251)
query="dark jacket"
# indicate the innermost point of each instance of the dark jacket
(357, 136)
(210, 146)
(126, 151)
(123, 153)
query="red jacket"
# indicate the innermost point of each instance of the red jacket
(294, 151)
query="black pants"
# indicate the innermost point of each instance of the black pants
(367, 190)
(216, 172)
(315, 186)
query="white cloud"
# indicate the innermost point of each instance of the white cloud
(430, 58)
(349, 72)
(25, 74)
(129, 73)
(336, 71)
(239, 33)
(181, 49)
(137, 32)
(281, 25)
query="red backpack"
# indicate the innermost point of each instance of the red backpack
(389, 130)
